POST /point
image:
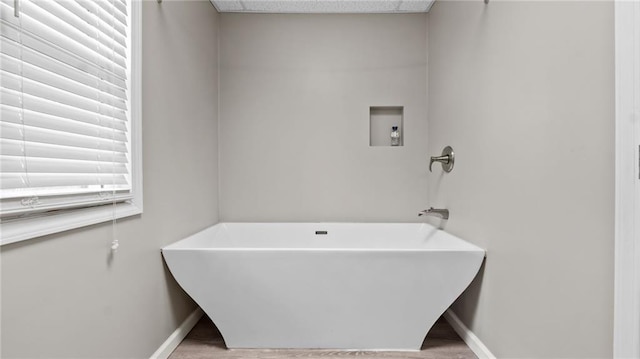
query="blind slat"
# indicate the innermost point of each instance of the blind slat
(37, 104)
(36, 44)
(12, 131)
(43, 150)
(16, 67)
(37, 90)
(121, 6)
(37, 59)
(13, 207)
(12, 112)
(18, 164)
(34, 119)
(35, 181)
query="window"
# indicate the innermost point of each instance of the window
(70, 114)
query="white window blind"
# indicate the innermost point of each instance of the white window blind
(65, 104)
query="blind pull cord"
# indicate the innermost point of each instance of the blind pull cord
(116, 242)
(16, 8)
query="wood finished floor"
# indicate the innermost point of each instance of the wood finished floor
(204, 341)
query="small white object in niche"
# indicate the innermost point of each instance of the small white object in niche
(382, 120)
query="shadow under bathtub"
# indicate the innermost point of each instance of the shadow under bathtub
(205, 341)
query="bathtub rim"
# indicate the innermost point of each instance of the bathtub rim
(468, 246)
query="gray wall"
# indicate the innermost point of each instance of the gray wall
(295, 92)
(61, 297)
(523, 91)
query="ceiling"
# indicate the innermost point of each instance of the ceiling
(323, 6)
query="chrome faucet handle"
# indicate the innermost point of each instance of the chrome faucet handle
(447, 159)
(442, 159)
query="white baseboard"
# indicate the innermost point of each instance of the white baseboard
(178, 335)
(473, 342)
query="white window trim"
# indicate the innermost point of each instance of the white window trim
(626, 335)
(22, 229)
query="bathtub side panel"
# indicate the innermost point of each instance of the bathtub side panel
(324, 299)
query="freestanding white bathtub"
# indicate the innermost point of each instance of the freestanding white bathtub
(323, 285)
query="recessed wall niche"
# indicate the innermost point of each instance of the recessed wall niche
(382, 119)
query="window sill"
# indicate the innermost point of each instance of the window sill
(22, 229)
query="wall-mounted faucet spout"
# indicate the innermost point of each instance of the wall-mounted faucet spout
(440, 212)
